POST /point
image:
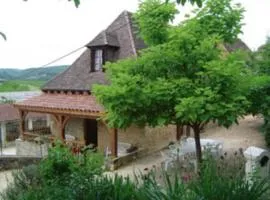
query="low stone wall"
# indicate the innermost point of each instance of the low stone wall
(123, 160)
(16, 162)
(31, 148)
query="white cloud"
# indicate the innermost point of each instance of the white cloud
(40, 31)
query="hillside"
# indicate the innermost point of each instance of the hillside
(43, 74)
(21, 85)
(15, 80)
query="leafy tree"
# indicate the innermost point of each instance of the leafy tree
(260, 90)
(76, 2)
(3, 36)
(153, 21)
(187, 80)
(198, 2)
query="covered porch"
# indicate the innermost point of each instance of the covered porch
(62, 108)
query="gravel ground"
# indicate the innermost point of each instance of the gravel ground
(238, 136)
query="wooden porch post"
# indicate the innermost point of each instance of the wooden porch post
(22, 115)
(62, 121)
(114, 141)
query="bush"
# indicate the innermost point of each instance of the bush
(68, 177)
(227, 183)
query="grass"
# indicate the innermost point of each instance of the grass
(21, 85)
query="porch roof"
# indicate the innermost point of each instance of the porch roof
(73, 104)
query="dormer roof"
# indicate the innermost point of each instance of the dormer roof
(104, 39)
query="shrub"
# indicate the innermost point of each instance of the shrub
(68, 177)
(227, 182)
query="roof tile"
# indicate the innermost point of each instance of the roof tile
(84, 103)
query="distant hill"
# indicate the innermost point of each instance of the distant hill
(41, 74)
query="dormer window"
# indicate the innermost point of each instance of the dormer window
(103, 48)
(98, 59)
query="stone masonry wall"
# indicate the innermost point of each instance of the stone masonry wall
(31, 148)
(75, 128)
(16, 162)
(148, 138)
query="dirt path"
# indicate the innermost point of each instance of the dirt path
(238, 136)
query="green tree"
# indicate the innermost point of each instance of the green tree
(3, 36)
(189, 79)
(153, 18)
(198, 2)
(260, 91)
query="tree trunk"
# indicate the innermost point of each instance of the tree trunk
(179, 131)
(197, 143)
(188, 131)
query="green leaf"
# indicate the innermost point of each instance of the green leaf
(3, 35)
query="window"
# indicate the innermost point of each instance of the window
(98, 60)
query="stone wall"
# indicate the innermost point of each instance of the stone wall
(31, 148)
(159, 137)
(75, 127)
(147, 138)
(16, 162)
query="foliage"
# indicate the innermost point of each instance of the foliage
(198, 2)
(61, 175)
(188, 79)
(213, 183)
(260, 91)
(153, 18)
(220, 182)
(183, 2)
(20, 85)
(42, 73)
(3, 36)
(223, 18)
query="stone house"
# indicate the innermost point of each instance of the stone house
(73, 110)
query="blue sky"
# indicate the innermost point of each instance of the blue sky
(40, 31)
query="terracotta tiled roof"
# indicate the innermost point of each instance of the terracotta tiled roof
(8, 113)
(69, 102)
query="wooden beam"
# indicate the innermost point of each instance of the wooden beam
(65, 120)
(61, 126)
(55, 111)
(22, 115)
(114, 141)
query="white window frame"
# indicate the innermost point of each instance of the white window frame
(98, 59)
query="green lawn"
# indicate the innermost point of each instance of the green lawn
(21, 85)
